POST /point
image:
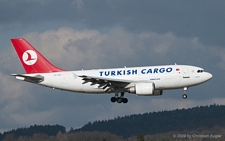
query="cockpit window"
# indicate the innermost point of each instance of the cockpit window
(200, 71)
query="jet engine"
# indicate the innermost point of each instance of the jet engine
(145, 89)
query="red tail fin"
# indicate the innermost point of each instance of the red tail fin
(32, 60)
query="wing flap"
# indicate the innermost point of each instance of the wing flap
(103, 79)
(106, 84)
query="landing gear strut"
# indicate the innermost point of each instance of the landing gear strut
(185, 93)
(119, 99)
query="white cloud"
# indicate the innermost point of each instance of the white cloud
(10, 89)
(72, 49)
(60, 46)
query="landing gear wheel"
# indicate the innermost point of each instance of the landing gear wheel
(113, 99)
(119, 100)
(125, 100)
(184, 96)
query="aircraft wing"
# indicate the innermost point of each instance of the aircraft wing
(106, 83)
(32, 79)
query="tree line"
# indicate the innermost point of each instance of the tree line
(159, 122)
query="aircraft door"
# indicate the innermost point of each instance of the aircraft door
(186, 73)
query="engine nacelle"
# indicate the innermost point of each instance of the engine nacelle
(145, 89)
(158, 92)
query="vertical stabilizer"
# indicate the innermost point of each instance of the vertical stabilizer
(31, 59)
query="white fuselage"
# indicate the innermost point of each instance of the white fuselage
(164, 77)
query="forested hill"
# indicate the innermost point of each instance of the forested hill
(50, 130)
(180, 120)
(159, 122)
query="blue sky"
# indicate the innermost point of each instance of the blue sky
(82, 34)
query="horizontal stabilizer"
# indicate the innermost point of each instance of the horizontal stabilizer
(32, 79)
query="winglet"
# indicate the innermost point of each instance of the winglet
(31, 59)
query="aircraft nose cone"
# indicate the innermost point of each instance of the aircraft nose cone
(210, 75)
(207, 76)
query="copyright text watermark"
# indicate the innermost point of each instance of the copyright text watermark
(196, 136)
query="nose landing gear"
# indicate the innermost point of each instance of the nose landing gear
(185, 93)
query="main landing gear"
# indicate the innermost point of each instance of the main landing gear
(185, 93)
(119, 99)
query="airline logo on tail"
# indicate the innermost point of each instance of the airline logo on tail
(29, 57)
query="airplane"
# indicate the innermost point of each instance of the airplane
(142, 81)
